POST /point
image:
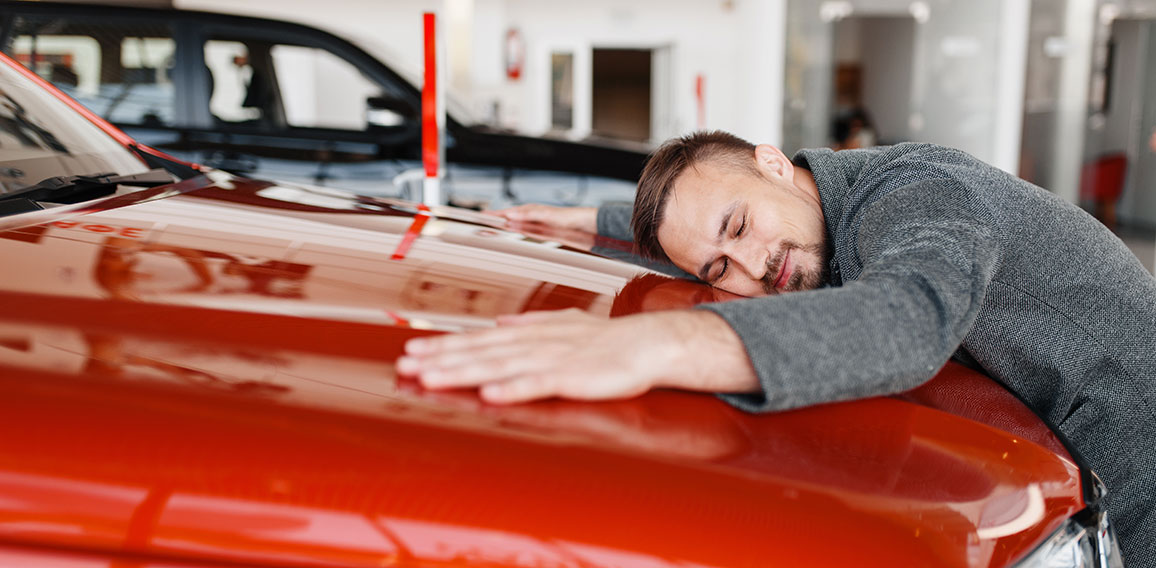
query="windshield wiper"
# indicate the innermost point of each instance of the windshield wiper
(74, 189)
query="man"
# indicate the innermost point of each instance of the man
(926, 253)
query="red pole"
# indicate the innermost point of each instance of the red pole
(429, 116)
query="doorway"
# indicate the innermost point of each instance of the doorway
(872, 84)
(621, 93)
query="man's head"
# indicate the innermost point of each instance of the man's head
(741, 217)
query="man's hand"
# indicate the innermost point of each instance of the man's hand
(572, 354)
(573, 218)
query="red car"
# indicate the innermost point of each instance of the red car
(197, 369)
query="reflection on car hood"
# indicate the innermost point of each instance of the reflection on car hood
(205, 371)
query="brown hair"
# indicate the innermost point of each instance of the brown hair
(665, 166)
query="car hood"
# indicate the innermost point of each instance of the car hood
(205, 372)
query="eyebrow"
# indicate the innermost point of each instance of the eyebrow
(722, 229)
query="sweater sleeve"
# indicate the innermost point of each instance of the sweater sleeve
(614, 221)
(928, 256)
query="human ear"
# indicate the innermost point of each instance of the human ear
(772, 161)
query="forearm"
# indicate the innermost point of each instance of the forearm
(861, 340)
(583, 219)
(702, 352)
(535, 355)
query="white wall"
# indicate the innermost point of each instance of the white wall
(761, 62)
(705, 38)
(1071, 115)
(969, 75)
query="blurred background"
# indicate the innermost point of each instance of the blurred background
(1059, 92)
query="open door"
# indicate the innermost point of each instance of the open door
(621, 101)
(874, 59)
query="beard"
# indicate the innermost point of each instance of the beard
(803, 277)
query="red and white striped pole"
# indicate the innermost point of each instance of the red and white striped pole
(432, 114)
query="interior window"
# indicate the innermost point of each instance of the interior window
(121, 71)
(271, 85)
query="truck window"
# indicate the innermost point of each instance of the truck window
(120, 70)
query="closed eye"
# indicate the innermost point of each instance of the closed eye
(726, 262)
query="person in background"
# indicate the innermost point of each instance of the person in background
(853, 129)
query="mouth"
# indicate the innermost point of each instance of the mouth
(784, 273)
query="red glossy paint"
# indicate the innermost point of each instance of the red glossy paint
(202, 374)
(232, 398)
(412, 233)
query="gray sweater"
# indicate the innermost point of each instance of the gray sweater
(937, 255)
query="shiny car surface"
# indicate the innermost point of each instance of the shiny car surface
(200, 372)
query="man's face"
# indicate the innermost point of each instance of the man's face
(748, 233)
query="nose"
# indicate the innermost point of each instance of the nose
(748, 256)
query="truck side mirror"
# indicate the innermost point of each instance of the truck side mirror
(388, 111)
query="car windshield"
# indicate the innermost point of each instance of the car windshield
(42, 137)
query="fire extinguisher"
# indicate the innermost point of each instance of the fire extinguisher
(515, 54)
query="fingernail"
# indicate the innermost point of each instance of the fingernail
(431, 378)
(415, 346)
(492, 392)
(407, 365)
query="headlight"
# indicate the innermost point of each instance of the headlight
(1085, 541)
(1078, 545)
